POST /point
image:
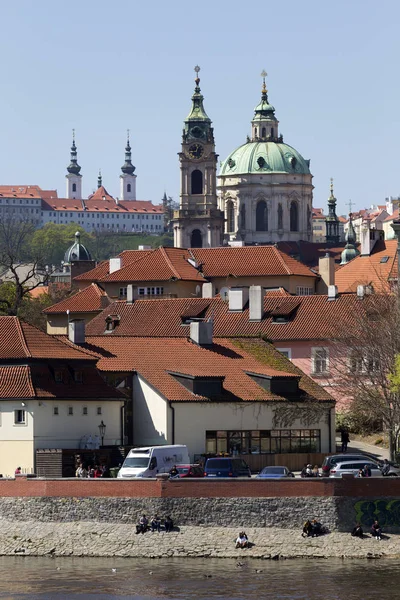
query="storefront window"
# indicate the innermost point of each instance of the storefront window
(275, 441)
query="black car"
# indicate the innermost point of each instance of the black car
(226, 467)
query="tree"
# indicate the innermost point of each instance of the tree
(51, 241)
(366, 355)
(169, 206)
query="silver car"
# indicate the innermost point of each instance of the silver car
(353, 468)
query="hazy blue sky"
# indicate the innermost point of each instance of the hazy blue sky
(102, 67)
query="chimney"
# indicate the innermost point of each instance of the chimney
(366, 245)
(115, 264)
(129, 294)
(256, 303)
(201, 332)
(360, 292)
(76, 331)
(238, 298)
(332, 292)
(208, 290)
(326, 266)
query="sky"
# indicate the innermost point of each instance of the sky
(103, 67)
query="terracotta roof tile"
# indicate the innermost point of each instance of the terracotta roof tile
(15, 382)
(373, 270)
(90, 299)
(102, 269)
(156, 359)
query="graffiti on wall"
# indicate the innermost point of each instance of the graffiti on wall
(387, 512)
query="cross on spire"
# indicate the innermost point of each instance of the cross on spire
(128, 132)
(73, 135)
(350, 204)
(263, 75)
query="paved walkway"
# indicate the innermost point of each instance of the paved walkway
(358, 446)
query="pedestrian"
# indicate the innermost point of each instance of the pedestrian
(345, 438)
(357, 531)
(315, 471)
(367, 471)
(174, 472)
(376, 530)
(168, 524)
(242, 540)
(142, 525)
(18, 471)
(155, 523)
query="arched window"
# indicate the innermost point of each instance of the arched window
(272, 132)
(263, 132)
(74, 187)
(243, 216)
(280, 216)
(230, 216)
(255, 132)
(262, 216)
(197, 182)
(196, 240)
(128, 187)
(294, 216)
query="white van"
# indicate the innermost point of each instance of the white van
(147, 462)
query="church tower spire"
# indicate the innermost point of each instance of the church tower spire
(128, 178)
(264, 126)
(332, 221)
(74, 178)
(198, 222)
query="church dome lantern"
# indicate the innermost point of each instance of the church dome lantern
(77, 251)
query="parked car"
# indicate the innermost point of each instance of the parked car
(274, 473)
(190, 471)
(392, 471)
(353, 468)
(226, 467)
(330, 461)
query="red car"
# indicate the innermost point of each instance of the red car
(190, 471)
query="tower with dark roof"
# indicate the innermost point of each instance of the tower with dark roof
(128, 178)
(74, 178)
(332, 221)
(198, 223)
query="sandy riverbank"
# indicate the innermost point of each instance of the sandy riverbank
(96, 539)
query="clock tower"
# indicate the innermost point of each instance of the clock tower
(198, 223)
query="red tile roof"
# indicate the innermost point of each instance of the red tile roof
(90, 299)
(102, 269)
(161, 264)
(372, 270)
(16, 382)
(101, 194)
(156, 359)
(38, 291)
(309, 317)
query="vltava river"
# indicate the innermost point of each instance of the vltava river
(93, 578)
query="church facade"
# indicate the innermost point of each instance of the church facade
(265, 186)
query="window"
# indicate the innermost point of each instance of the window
(286, 352)
(319, 361)
(128, 187)
(58, 376)
(280, 216)
(304, 291)
(243, 216)
(99, 412)
(84, 410)
(151, 291)
(78, 376)
(74, 187)
(294, 216)
(262, 216)
(19, 417)
(197, 182)
(70, 411)
(362, 361)
(122, 292)
(55, 411)
(263, 132)
(196, 239)
(230, 216)
(273, 441)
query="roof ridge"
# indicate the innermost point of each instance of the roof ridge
(164, 253)
(280, 252)
(22, 337)
(31, 382)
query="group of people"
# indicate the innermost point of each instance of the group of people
(364, 472)
(154, 524)
(92, 471)
(312, 528)
(310, 471)
(376, 531)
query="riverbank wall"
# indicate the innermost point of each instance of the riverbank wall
(98, 517)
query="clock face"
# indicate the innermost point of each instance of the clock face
(196, 151)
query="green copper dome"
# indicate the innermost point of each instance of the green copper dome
(77, 251)
(265, 157)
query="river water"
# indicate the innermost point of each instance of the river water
(176, 579)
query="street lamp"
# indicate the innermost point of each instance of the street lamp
(102, 431)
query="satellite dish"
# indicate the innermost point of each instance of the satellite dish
(224, 293)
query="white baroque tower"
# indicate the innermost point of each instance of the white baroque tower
(265, 185)
(198, 223)
(74, 179)
(128, 178)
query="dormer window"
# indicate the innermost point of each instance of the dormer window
(58, 376)
(78, 376)
(112, 321)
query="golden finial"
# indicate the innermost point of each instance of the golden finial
(73, 135)
(331, 187)
(128, 133)
(264, 87)
(196, 70)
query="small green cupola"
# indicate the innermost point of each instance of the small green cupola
(264, 123)
(350, 251)
(77, 251)
(74, 168)
(197, 124)
(128, 168)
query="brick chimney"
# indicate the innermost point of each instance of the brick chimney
(326, 265)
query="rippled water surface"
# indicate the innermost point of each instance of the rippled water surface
(175, 579)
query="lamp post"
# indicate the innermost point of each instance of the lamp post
(102, 431)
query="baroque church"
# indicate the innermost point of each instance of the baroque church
(264, 192)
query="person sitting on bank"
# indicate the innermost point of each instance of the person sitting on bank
(242, 540)
(143, 524)
(168, 524)
(307, 529)
(315, 471)
(155, 523)
(376, 530)
(357, 531)
(173, 472)
(316, 528)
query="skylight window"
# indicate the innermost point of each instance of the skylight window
(384, 259)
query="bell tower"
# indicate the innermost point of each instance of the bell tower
(198, 223)
(74, 178)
